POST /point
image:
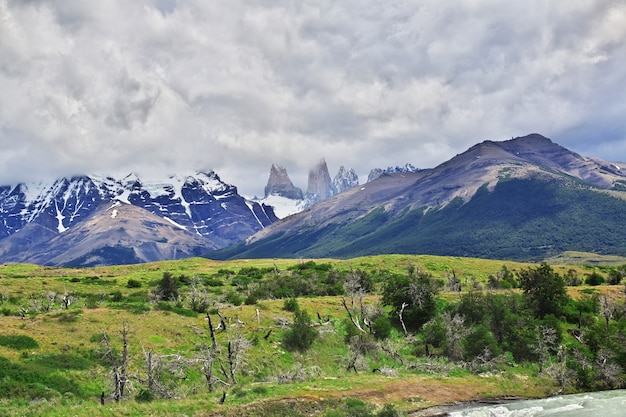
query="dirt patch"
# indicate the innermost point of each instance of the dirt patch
(432, 397)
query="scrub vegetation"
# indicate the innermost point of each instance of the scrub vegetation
(373, 336)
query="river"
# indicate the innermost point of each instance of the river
(604, 404)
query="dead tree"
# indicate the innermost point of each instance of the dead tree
(546, 338)
(198, 296)
(118, 364)
(68, 299)
(222, 324)
(156, 367)
(211, 358)
(609, 372)
(455, 332)
(607, 309)
(356, 311)
(235, 357)
(207, 359)
(559, 370)
(212, 331)
(400, 316)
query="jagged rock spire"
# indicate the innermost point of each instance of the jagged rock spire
(345, 179)
(320, 185)
(280, 184)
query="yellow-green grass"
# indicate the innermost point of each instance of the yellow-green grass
(76, 333)
(587, 259)
(59, 279)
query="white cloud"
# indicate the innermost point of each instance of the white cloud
(169, 85)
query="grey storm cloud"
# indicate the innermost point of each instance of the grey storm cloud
(172, 85)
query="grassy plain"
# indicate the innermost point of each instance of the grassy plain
(63, 373)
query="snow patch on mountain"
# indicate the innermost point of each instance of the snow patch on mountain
(60, 218)
(283, 206)
(180, 226)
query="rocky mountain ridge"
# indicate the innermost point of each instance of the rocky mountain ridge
(199, 206)
(377, 172)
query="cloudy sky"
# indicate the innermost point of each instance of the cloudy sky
(157, 86)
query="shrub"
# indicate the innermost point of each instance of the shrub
(18, 342)
(301, 335)
(544, 290)
(615, 277)
(69, 317)
(133, 283)
(350, 330)
(389, 411)
(117, 296)
(168, 287)
(92, 301)
(61, 361)
(212, 282)
(233, 298)
(478, 341)
(381, 328)
(594, 279)
(144, 396)
(238, 392)
(251, 299)
(291, 304)
(163, 306)
(357, 408)
(572, 279)
(260, 390)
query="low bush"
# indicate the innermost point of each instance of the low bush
(133, 283)
(62, 361)
(301, 335)
(594, 279)
(291, 304)
(164, 306)
(18, 342)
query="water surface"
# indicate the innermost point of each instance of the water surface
(603, 404)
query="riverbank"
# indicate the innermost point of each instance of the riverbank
(609, 403)
(444, 410)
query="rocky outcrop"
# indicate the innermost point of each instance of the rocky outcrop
(280, 184)
(320, 185)
(377, 172)
(345, 179)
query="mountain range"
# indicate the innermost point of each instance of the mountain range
(525, 198)
(96, 220)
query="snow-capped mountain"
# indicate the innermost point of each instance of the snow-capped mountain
(199, 204)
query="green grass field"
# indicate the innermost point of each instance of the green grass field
(52, 353)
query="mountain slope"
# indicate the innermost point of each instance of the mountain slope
(113, 234)
(525, 198)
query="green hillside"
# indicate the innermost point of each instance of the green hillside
(284, 336)
(521, 219)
